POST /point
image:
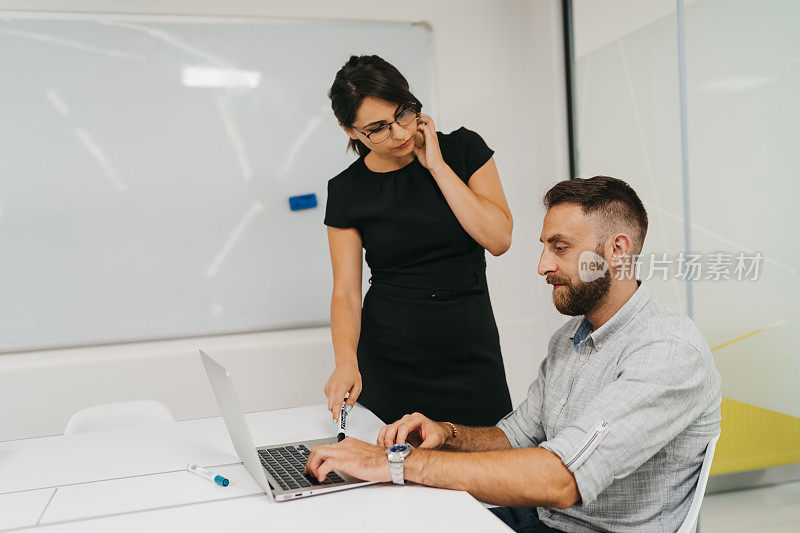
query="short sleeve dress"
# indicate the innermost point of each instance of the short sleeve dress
(428, 339)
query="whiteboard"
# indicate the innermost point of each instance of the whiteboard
(147, 164)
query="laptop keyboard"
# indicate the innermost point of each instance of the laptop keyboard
(286, 465)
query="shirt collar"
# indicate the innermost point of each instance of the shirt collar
(583, 331)
(624, 315)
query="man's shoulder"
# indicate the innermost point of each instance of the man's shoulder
(658, 321)
(680, 346)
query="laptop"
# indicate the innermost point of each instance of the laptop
(278, 469)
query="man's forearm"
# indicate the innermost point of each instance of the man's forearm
(470, 439)
(526, 477)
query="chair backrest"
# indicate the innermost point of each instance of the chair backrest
(690, 523)
(118, 415)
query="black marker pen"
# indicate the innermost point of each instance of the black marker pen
(342, 418)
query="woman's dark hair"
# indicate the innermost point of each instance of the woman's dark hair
(364, 76)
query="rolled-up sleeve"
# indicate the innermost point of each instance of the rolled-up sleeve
(661, 388)
(523, 426)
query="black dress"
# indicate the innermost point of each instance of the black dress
(428, 339)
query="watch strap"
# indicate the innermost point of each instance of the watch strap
(396, 468)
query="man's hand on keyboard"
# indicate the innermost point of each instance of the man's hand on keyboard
(352, 456)
(415, 429)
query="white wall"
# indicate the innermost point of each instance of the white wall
(499, 72)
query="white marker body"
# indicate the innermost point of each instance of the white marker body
(202, 472)
(342, 422)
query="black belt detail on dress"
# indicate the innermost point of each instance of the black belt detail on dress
(445, 293)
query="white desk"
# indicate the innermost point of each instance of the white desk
(135, 480)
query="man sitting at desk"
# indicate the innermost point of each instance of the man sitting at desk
(614, 430)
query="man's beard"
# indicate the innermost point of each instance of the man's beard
(580, 297)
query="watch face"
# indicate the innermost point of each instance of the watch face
(399, 448)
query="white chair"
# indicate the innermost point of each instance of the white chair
(690, 524)
(118, 415)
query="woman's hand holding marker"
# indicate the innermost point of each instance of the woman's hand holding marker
(344, 385)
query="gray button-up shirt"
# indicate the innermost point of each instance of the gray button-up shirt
(630, 412)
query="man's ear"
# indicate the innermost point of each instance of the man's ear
(619, 251)
(349, 131)
(620, 245)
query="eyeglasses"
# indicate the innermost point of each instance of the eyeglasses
(382, 132)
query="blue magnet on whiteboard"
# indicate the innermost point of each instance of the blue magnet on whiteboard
(304, 201)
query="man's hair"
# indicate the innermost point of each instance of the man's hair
(612, 201)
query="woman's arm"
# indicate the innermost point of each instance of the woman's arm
(346, 260)
(481, 206)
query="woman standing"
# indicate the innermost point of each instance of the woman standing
(424, 205)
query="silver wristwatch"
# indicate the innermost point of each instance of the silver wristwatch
(397, 455)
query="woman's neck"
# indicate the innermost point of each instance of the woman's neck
(377, 163)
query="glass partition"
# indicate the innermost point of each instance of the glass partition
(742, 77)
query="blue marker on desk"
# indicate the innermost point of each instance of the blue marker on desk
(209, 475)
